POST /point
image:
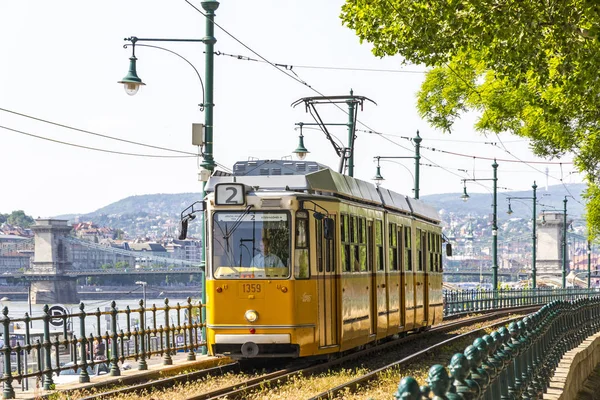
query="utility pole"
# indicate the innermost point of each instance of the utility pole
(533, 266)
(417, 141)
(564, 243)
(495, 228)
(351, 133)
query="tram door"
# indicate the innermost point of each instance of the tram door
(328, 299)
(428, 267)
(373, 278)
(420, 316)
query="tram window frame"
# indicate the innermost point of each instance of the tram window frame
(302, 245)
(319, 245)
(408, 247)
(380, 265)
(362, 244)
(419, 246)
(329, 256)
(355, 248)
(393, 246)
(400, 246)
(346, 263)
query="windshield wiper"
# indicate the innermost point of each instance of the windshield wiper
(236, 224)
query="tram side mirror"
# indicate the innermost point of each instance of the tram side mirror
(328, 228)
(183, 227)
(448, 249)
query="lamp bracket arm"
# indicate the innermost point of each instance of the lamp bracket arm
(133, 40)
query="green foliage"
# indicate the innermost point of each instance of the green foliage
(121, 265)
(18, 218)
(527, 67)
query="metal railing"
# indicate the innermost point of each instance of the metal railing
(44, 353)
(467, 301)
(514, 362)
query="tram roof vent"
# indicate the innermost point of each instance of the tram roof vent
(276, 167)
(239, 167)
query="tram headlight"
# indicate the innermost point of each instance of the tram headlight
(251, 316)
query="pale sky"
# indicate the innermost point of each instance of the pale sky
(61, 61)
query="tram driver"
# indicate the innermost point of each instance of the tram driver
(266, 258)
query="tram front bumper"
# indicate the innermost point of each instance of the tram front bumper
(255, 346)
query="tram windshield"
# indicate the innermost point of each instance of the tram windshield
(251, 245)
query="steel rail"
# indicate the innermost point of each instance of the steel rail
(357, 382)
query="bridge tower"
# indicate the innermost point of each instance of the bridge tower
(49, 283)
(550, 237)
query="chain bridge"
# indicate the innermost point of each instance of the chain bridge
(60, 259)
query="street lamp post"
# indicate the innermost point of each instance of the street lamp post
(132, 83)
(417, 157)
(465, 197)
(589, 263)
(564, 245)
(534, 236)
(143, 285)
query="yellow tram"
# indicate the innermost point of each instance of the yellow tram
(303, 261)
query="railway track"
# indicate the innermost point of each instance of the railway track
(281, 376)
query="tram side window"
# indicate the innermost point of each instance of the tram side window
(329, 255)
(408, 247)
(431, 250)
(319, 241)
(345, 243)
(379, 245)
(393, 248)
(355, 247)
(438, 252)
(362, 243)
(301, 256)
(400, 251)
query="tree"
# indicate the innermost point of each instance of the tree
(19, 218)
(529, 68)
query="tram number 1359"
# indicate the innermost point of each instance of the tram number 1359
(251, 287)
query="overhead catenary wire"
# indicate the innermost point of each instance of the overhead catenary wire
(94, 148)
(95, 133)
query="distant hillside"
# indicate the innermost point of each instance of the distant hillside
(144, 215)
(481, 203)
(156, 213)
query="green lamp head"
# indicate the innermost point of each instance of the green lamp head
(378, 177)
(465, 196)
(301, 151)
(510, 211)
(132, 82)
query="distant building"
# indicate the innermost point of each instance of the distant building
(190, 250)
(92, 232)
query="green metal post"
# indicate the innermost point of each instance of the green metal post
(417, 141)
(589, 254)
(564, 245)
(533, 266)
(495, 229)
(114, 357)
(143, 365)
(47, 378)
(83, 376)
(351, 134)
(167, 360)
(210, 6)
(8, 392)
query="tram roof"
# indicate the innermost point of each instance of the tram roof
(314, 177)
